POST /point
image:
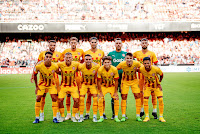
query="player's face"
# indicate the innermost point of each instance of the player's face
(48, 58)
(52, 46)
(147, 64)
(107, 63)
(73, 44)
(93, 44)
(118, 44)
(144, 44)
(129, 60)
(68, 58)
(88, 60)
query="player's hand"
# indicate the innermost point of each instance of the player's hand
(100, 95)
(36, 90)
(32, 78)
(116, 96)
(159, 86)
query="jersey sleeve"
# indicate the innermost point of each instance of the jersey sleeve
(109, 54)
(155, 60)
(139, 64)
(116, 76)
(134, 54)
(159, 71)
(103, 54)
(80, 66)
(40, 56)
(99, 74)
(119, 66)
(62, 56)
(36, 69)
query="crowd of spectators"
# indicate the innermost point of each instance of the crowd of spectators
(98, 10)
(170, 48)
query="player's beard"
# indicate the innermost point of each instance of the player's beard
(144, 47)
(52, 50)
(118, 48)
(94, 46)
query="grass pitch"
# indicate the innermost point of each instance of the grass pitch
(181, 111)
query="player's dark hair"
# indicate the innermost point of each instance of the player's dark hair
(68, 53)
(73, 38)
(54, 41)
(144, 39)
(88, 55)
(146, 58)
(129, 54)
(48, 53)
(93, 38)
(106, 58)
(118, 39)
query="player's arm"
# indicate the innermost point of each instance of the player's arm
(155, 60)
(32, 76)
(83, 56)
(116, 77)
(62, 56)
(99, 81)
(35, 79)
(58, 70)
(160, 73)
(119, 66)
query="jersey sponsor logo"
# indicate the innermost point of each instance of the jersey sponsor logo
(113, 55)
(107, 79)
(118, 60)
(123, 55)
(79, 53)
(68, 74)
(73, 68)
(96, 61)
(88, 77)
(149, 56)
(75, 59)
(99, 54)
(150, 79)
(129, 73)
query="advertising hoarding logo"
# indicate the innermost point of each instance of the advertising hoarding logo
(30, 27)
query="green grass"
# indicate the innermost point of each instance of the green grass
(181, 99)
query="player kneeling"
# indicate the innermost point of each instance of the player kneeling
(47, 70)
(89, 72)
(68, 85)
(129, 79)
(108, 83)
(152, 84)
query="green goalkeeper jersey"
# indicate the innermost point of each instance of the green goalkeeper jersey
(117, 57)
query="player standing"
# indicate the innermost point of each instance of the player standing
(129, 79)
(97, 56)
(89, 81)
(68, 69)
(117, 56)
(77, 55)
(47, 70)
(108, 83)
(140, 55)
(152, 83)
(55, 58)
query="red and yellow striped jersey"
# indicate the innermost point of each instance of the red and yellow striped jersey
(151, 77)
(68, 73)
(97, 56)
(89, 76)
(107, 77)
(129, 73)
(56, 56)
(46, 74)
(77, 54)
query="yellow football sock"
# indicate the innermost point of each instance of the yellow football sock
(161, 106)
(74, 111)
(100, 106)
(154, 100)
(68, 104)
(42, 104)
(138, 105)
(62, 112)
(58, 107)
(116, 107)
(123, 107)
(55, 108)
(95, 105)
(81, 105)
(88, 103)
(146, 107)
(142, 99)
(37, 109)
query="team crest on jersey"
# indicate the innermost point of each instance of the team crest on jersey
(57, 55)
(135, 68)
(153, 74)
(112, 74)
(53, 71)
(79, 53)
(93, 71)
(99, 54)
(149, 56)
(123, 55)
(73, 68)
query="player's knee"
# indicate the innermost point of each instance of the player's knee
(160, 100)
(68, 95)
(54, 98)
(76, 100)
(137, 95)
(44, 95)
(146, 98)
(38, 99)
(101, 100)
(60, 100)
(95, 100)
(124, 96)
(82, 99)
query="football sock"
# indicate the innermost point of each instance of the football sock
(100, 106)
(37, 109)
(161, 106)
(81, 105)
(42, 104)
(88, 103)
(138, 105)
(116, 103)
(68, 104)
(55, 108)
(154, 100)
(95, 105)
(74, 111)
(146, 107)
(62, 112)
(123, 107)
